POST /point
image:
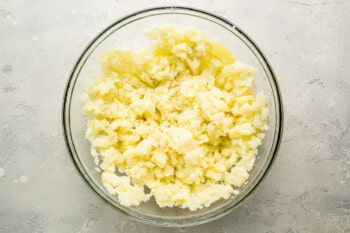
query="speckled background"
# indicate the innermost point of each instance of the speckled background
(307, 43)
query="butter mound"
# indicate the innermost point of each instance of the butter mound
(180, 118)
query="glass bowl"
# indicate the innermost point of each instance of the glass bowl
(129, 31)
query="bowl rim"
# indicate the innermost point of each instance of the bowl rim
(189, 221)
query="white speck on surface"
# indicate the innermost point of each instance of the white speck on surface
(15, 180)
(15, 22)
(23, 179)
(35, 38)
(73, 12)
(2, 172)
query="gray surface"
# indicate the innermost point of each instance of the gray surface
(307, 43)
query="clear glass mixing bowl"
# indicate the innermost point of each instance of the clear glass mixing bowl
(129, 31)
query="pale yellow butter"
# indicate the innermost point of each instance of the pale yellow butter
(180, 118)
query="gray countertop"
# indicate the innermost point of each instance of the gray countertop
(307, 43)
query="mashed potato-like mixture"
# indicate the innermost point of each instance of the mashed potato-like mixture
(180, 118)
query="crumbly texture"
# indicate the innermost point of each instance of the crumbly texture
(180, 118)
